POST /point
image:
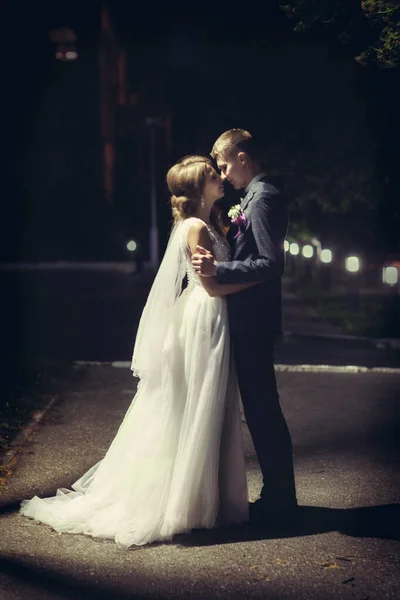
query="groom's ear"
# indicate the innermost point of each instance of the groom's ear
(243, 158)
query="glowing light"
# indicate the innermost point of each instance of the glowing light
(66, 55)
(286, 245)
(353, 264)
(307, 251)
(326, 255)
(390, 275)
(294, 248)
(131, 246)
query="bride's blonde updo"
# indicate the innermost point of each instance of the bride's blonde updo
(186, 180)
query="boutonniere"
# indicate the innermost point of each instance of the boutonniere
(238, 218)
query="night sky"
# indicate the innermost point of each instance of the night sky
(219, 67)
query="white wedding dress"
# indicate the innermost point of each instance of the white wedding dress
(176, 462)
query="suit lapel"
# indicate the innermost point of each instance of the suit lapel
(243, 205)
(250, 194)
(233, 228)
(246, 200)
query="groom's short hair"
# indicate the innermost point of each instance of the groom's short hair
(233, 141)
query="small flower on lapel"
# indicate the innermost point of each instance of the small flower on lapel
(238, 218)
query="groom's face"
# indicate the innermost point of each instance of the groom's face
(232, 170)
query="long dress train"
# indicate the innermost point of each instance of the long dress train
(176, 462)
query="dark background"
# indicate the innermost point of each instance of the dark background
(328, 125)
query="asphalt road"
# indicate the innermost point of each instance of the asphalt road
(345, 429)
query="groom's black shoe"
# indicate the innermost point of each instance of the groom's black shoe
(275, 519)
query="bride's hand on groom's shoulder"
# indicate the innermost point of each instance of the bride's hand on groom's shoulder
(204, 262)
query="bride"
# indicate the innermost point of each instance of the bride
(176, 462)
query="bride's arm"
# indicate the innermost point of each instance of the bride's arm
(198, 236)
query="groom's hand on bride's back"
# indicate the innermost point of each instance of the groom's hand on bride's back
(204, 262)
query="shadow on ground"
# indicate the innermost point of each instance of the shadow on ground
(373, 521)
(382, 521)
(55, 584)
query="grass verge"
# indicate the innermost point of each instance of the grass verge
(358, 313)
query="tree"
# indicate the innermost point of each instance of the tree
(370, 28)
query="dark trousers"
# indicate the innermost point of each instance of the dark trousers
(271, 438)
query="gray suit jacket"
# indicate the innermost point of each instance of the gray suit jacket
(257, 254)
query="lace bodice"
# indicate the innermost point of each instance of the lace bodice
(221, 250)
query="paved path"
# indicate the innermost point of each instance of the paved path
(345, 430)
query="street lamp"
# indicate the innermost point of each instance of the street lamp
(307, 251)
(326, 256)
(153, 122)
(131, 246)
(352, 264)
(293, 250)
(390, 275)
(65, 40)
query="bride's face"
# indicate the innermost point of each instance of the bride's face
(213, 187)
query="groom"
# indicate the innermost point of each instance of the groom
(255, 318)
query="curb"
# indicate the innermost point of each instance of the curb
(122, 364)
(380, 343)
(125, 267)
(24, 434)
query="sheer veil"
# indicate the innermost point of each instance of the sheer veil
(157, 314)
